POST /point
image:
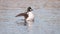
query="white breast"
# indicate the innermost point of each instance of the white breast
(30, 16)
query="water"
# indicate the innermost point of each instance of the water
(46, 22)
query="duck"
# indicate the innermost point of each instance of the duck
(28, 16)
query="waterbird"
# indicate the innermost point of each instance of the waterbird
(29, 16)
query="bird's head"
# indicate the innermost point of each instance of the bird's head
(29, 9)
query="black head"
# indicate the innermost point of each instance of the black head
(29, 9)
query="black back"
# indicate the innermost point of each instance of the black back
(23, 14)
